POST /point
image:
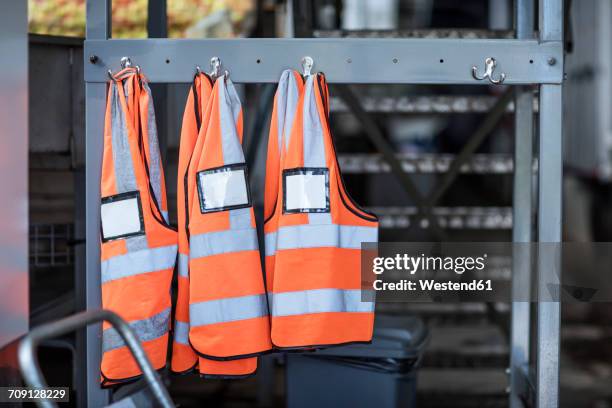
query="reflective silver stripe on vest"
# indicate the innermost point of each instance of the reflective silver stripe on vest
(181, 332)
(270, 239)
(287, 97)
(122, 157)
(228, 310)
(286, 102)
(318, 236)
(183, 265)
(229, 113)
(240, 218)
(313, 140)
(155, 166)
(146, 330)
(319, 301)
(222, 242)
(229, 110)
(125, 178)
(135, 263)
(313, 145)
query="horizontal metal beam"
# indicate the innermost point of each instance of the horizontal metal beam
(346, 60)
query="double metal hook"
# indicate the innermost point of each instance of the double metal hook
(307, 64)
(126, 62)
(490, 65)
(215, 68)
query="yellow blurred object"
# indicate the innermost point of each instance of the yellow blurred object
(188, 18)
(67, 17)
(57, 17)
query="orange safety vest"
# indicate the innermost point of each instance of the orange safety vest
(184, 358)
(314, 233)
(228, 310)
(286, 100)
(138, 248)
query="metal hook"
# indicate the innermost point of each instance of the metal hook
(215, 65)
(126, 62)
(490, 65)
(307, 64)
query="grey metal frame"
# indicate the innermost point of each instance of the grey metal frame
(526, 62)
(522, 219)
(98, 27)
(549, 216)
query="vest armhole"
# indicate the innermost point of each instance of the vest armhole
(273, 211)
(156, 212)
(348, 202)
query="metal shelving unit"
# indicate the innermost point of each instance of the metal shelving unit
(443, 58)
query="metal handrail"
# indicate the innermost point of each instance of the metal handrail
(28, 362)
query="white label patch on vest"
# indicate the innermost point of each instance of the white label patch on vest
(121, 216)
(224, 188)
(306, 190)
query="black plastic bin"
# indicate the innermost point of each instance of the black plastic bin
(382, 374)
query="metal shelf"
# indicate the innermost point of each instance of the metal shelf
(427, 163)
(425, 104)
(437, 33)
(486, 218)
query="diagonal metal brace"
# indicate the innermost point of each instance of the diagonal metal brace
(376, 136)
(489, 123)
(386, 149)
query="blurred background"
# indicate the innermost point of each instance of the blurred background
(455, 355)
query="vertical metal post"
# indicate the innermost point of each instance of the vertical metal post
(549, 232)
(524, 19)
(303, 18)
(157, 20)
(549, 217)
(289, 21)
(522, 216)
(98, 27)
(500, 16)
(157, 27)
